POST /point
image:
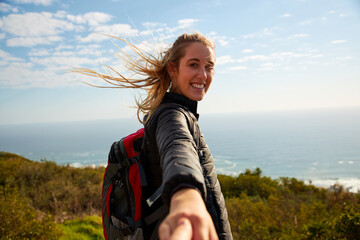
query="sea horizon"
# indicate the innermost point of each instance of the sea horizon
(317, 146)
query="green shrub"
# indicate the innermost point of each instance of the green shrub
(20, 221)
(258, 207)
(348, 223)
(63, 191)
(250, 183)
(261, 208)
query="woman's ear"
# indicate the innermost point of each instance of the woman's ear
(171, 69)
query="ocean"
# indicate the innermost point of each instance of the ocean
(321, 146)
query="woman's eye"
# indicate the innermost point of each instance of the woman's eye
(193, 64)
(210, 67)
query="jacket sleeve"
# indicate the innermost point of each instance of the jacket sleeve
(179, 159)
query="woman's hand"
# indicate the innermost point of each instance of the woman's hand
(188, 218)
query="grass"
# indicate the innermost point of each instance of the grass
(83, 229)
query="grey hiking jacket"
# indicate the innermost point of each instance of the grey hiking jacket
(178, 157)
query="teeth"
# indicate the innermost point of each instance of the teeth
(198, 85)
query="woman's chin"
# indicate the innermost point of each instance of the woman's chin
(197, 97)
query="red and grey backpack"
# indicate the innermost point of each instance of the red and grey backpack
(123, 181)
(121, 193)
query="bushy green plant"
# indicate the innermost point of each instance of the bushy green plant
(20, 221)
(63, 191)
(251, 183)
(348, 223)
(261, 208)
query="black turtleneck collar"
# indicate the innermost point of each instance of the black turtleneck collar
(182, 100)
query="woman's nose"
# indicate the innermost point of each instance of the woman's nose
(202, 74)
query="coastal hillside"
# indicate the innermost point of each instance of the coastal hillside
(43, 200)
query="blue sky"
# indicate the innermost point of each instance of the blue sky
(271, 55)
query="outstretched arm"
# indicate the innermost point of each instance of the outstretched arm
(188, 218)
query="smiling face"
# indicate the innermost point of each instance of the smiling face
(193, 76)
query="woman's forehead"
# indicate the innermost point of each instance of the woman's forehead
(199, 51)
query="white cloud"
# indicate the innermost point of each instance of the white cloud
(60, 14)
(36, 2)
(285, 15)
(146, 32)
(267, 66)
(267, 32)
(89, 50)
(248, 36)
(238, 68)
(55, 56)
(224, 60)
(285, 55)
(76, 19)
(63, 61)
(185, 23)
(262, 33)
(97, 18)
(182, 24)
(33, 28)
(247, 51)
(253, 58)
(27, 76)
(151, 28)
(4, 7)
(344, 58)
(306, 22)
(151, 47)
(300, 35)
(47, 69)
(317, 56)
(338, 41)
(116, 30)
(32, 41)
(7, 57)
(39, 52)
(64, 54)
(34, 24)
(153, 25)
(271, 61)
(221, 40)
(92, 18)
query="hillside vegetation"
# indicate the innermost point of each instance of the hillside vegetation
(42, 200)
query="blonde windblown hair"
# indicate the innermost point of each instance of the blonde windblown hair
(156, 80)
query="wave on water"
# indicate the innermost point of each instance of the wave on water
(227, 165)
(349, 184)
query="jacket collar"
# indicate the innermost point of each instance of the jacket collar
(182, 100)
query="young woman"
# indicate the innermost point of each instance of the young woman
(177, 156)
